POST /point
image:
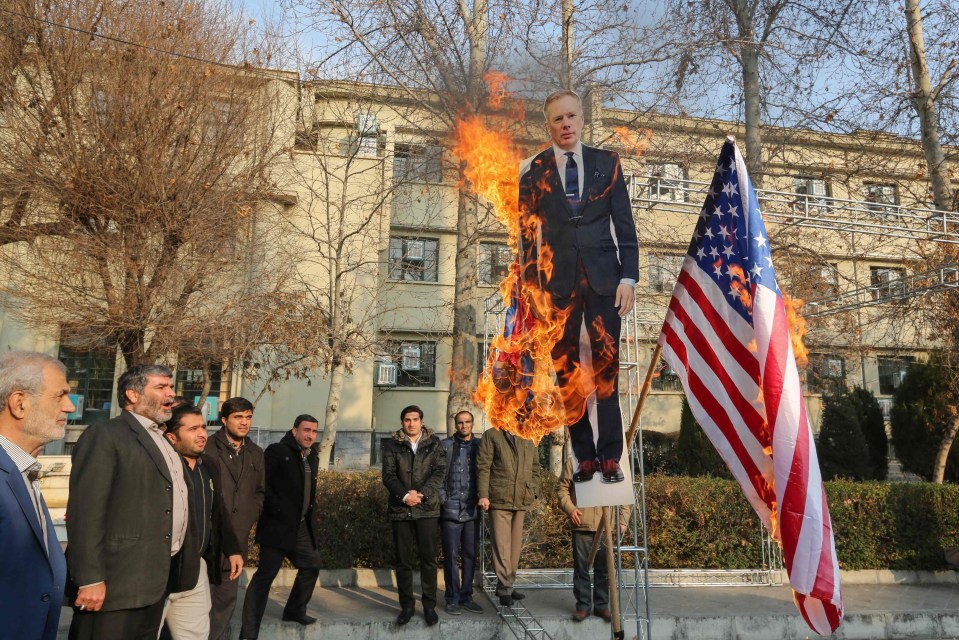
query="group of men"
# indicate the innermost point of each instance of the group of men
(159, 515)
(440, 487)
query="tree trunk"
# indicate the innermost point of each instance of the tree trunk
(924, 99)
(557, 444)
(751, 92)
(465, 354)
(332, 415)
(942, 455)
(207, 383)
(567, 70)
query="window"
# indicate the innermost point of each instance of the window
(886, 281)
(494, 262)
(416, 363)
(417, 163)
(891, 373)
(881, 198)
(665, 182)
(815, 188)
(664, 271)
(825, 374)
(665, 379)
(90, 374)
(414, 259)
(823, 280)
(189, 382)
(367, 142)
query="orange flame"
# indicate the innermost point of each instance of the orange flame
(797, 328)
(496, 82)
(633, 140)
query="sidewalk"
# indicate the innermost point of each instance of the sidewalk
(366, 608)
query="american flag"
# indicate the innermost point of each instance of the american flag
(727, 338)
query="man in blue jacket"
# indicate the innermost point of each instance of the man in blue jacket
(34, 403)
(459, 515)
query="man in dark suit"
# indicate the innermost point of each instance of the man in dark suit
(34, 403)
(187, 613)
(130, 543)
(572, 199)
(236, 463)
(288, 526)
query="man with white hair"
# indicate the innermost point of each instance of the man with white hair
(34, 403)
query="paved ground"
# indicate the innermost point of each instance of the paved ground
(873, 612)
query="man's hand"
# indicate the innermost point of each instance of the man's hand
(576, 516)
(625, 297)
(91, 598)
(622, 528)
(413, 498)
(484, 504)
(236, 566)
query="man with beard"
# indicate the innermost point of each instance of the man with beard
(128, 519)
(34, 403)
(187, 613)
(236, 464)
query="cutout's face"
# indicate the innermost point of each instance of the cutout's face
(564, 122)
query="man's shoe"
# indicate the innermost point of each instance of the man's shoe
(604, 614)
(586, 470)
(405, 616)
(301, 618)
(454, 610)
(612, 472)
(431, 617)
(580, 615)
(471, 606)
(506, 601)
(517, 595)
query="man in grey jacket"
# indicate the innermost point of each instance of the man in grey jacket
(459, 516)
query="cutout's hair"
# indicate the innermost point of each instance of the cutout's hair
(562, 93)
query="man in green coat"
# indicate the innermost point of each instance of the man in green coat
(504, 475)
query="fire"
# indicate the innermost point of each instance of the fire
(633, 140)
(496, 82)
(797, 328)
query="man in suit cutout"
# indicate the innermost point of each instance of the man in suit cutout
(572, 199)
(130, 543)
(34, 403)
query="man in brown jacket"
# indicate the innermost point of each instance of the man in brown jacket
(584, 523)
(504, 478)
(237, 464)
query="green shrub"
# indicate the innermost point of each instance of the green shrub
(659, 453)
(701, 523)
(874, 430)
(695, 454)
(842, 448)
(920, 417)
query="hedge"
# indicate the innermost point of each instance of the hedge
(696, 523)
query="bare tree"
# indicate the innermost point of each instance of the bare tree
(136, 173)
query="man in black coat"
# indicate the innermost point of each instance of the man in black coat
(128, 516)
(573, 198)
(187, 613)
(288, 526)
(414, 465)
(236, 463)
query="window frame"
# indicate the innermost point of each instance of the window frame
(416, 162)
(660, 264)
(819, 379)
(490, 271)
(424, 372)
(406, 263)
(880, 287)
(894, 367)
(663, 187)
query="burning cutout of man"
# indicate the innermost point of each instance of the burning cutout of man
(579, 246)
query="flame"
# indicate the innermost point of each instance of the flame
(518, 389)
(797, 328)
(633, 140)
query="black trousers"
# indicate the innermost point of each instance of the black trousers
(603, 326)
(142, 623)
(412, 538)
(459, 537)
(305, 558)
(223, 599)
